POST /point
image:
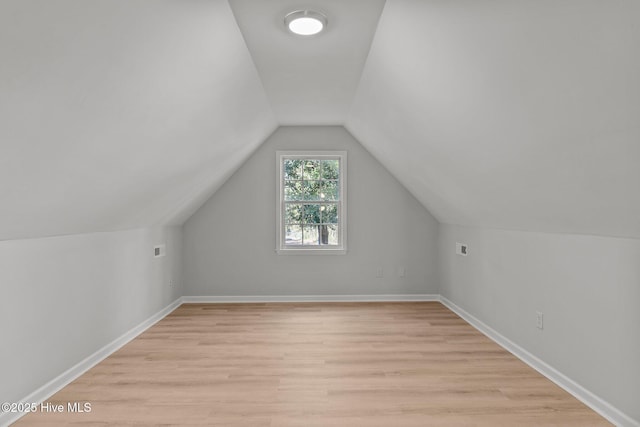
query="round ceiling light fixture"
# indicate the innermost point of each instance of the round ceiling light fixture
(305, 22)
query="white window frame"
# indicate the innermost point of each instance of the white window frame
(341, 247)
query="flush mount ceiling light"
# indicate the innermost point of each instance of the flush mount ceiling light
(305, 22)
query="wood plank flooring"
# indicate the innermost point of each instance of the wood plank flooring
(315, 364)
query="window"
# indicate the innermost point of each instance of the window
(312, 202)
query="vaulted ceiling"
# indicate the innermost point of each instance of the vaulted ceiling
(309, 81)
(499, 113)
(119, 114)
(520, 114)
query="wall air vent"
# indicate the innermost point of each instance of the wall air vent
(159, 251)
(462, 249)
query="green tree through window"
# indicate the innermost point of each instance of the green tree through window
(311, 201)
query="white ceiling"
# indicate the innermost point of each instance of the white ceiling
(309, 80)
(118, 114)
(519, 114)
(509, 114)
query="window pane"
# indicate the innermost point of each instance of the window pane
(293, 235)
(311, 214)
(293, 214)
(311, 169)
(293, 190)
(293, 169)
(310, 235)
(311, 201)
(332, 231)
(330, 169)
(330, 213)
(329, 190)
(325, 234)
(312, 190)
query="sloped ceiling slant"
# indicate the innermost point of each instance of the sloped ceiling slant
(112, 111)
(509, 114)
(309, 80)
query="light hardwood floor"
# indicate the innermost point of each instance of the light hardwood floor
(315, 364)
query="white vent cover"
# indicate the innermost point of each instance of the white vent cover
(159, 251)
(462, 249)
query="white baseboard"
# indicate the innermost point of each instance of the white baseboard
(594, 402)
(53, 386)
(599, 405)
(309, 298)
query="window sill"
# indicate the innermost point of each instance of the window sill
(298, 251)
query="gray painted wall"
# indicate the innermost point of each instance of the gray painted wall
(588, 288)
(230, 242)
(63, 298)
(71, 295)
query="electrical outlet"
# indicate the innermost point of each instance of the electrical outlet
(539, 320)
(379, 272)
(171, 283)
(401, 271)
